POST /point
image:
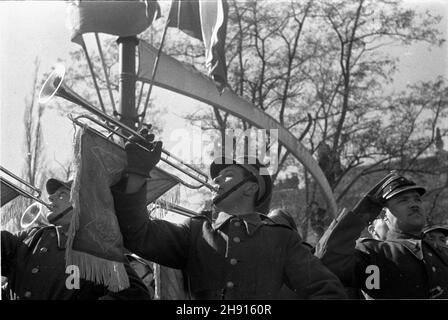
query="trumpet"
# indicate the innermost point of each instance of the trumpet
(175, 208)
(55, 86)
(34, 214)
(34, 193)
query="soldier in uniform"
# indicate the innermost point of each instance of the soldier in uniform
(238, 256)
(405, 266)
(437, 234)
(34, 260)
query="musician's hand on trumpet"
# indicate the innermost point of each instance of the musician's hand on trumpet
(140, 162)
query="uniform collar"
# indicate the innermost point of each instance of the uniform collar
(400, 235)
(36, 232)
(61, 233)
(415, 244)
(410, 241)
(251, 221)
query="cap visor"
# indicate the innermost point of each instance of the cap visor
(419, 189)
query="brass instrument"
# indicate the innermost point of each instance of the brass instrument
(34, 214)
(175, 208)
(55, 86)
(34, 192)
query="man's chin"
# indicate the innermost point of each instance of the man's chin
(415, 226)
(52, 215)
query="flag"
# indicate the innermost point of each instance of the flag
(121, 18)
(8, 192)
(94, 241)
(205, 20)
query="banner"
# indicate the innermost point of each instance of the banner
(121, 18)
(205, 20)
(94, 241)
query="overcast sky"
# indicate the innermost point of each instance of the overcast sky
(33, 29)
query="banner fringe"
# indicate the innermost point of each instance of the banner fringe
(101, 271)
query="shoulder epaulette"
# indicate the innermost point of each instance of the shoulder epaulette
(269, 222)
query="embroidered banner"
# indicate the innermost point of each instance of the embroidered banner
(94, 241)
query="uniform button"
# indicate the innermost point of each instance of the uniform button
(434, 269)
(53, 234)
(233, 261)
(28, 294)
(236, 239)
(430, 254)
(230, 284)
(43, 250)
(35, 270)
(237, 224)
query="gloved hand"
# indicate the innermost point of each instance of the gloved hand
(370, 205)
(141, 161)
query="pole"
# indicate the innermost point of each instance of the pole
(126, 108)
(106, 76)
(156, 63)
(89, 62)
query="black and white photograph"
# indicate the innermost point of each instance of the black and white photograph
(249, 151)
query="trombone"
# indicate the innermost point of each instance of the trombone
(55, 86)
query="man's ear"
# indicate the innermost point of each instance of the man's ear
(371, 229)
(250, 188)
(386, 218)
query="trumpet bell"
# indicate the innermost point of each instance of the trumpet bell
(52, 84)
(33, 216)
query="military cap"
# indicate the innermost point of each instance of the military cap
(397, 184)
(53, 185)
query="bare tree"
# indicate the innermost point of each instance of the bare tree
(33, 139)
(34, 151)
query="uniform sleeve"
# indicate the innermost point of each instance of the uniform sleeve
(9, 244)
(308, 277)
(159, 241)
(338, 251)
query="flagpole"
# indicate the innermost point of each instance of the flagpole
(127, 111)
(156, 63)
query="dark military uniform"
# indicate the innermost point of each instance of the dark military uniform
(34, 263)
(409, 268)
(233, 258)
